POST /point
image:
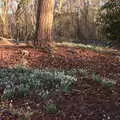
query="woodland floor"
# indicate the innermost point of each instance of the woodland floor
(89, 100)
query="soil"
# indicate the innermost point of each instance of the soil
(88, 99)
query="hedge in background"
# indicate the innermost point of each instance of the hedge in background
(109, 20)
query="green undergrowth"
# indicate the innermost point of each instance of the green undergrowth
(20, 82)
(96, 77)
(106, 82)
(84, 73)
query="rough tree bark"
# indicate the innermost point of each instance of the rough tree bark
(44, 24)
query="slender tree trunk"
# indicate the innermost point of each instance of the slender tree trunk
(44, 23)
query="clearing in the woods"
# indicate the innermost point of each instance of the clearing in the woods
(94, 96)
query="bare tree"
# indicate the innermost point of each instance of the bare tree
(44, 24)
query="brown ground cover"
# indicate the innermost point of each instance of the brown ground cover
(88, 100)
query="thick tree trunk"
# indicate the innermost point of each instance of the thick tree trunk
(44, 23)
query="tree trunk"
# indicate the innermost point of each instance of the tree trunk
(44, 24)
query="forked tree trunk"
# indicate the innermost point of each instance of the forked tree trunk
(44, 23)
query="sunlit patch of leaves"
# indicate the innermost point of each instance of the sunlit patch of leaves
(87, 47)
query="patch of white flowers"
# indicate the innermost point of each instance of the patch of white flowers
(18, 82)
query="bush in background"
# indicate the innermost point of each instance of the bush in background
(109, 20)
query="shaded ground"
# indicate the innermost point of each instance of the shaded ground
(88, 100)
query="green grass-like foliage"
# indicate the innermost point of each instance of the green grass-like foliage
(51, 108)
(101, 80)
(19, 82)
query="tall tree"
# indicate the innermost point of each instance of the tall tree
(4, 17)
(44, 24)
